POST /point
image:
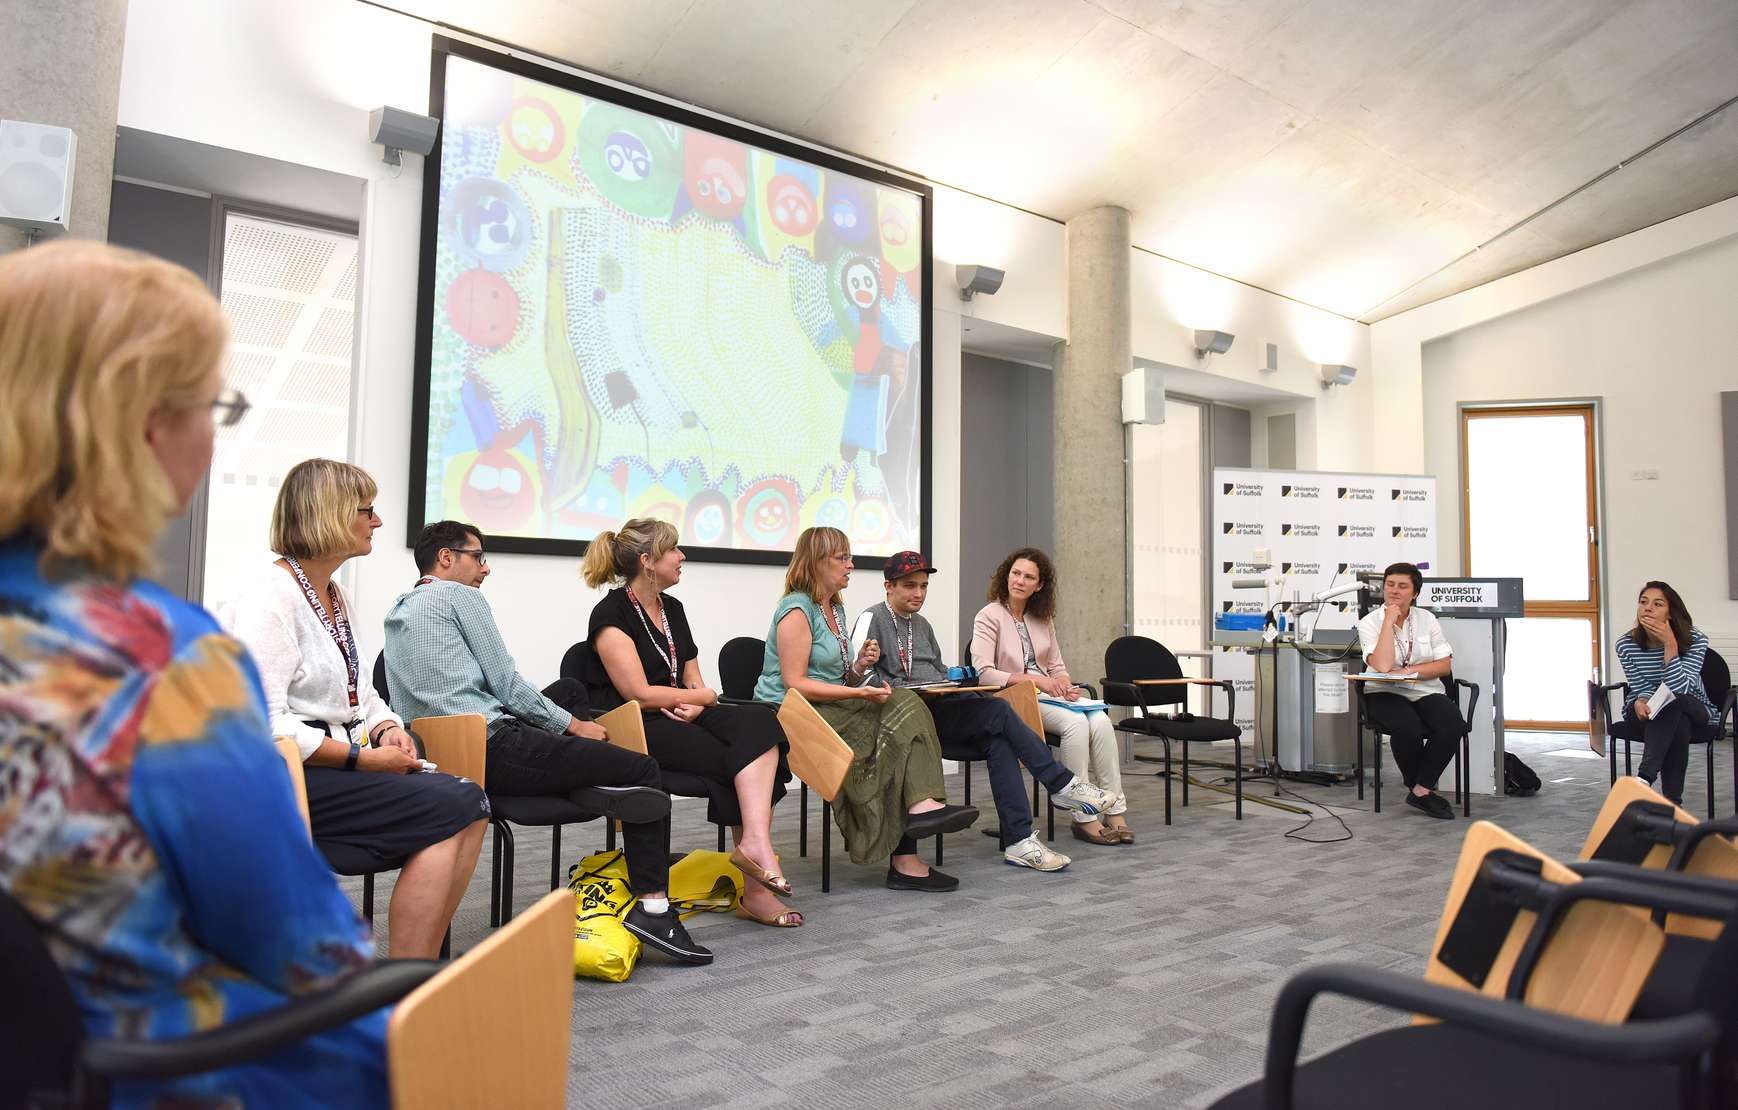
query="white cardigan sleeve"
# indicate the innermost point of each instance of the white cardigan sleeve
(269, 636)
(374, 709)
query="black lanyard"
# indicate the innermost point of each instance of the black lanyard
(336, 626)
(909, 649)
(669, 637)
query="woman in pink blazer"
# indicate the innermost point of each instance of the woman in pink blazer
(1013, 638)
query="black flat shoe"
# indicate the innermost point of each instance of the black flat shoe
(665, 932)
(1431, 805)
(935, 882)
(634, 804)
(937, 821)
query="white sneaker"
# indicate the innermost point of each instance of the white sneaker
(1081, 796)
(1033, 853)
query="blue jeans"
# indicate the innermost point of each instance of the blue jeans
(986, 728)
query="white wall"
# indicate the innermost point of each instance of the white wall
(295, 82)
(1645, 325)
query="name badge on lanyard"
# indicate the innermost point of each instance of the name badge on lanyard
(338, 627)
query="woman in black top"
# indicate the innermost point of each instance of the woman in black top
(643, 651)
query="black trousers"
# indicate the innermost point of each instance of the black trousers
(1666, 743)
(527, 761)
(1424, 734)
(716, 746)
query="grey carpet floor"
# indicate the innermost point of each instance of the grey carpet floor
(1142, 975)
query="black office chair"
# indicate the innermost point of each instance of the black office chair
(1716, 679)
(46, 1060)
(1461, 761)
(575, 664)
(1508, 1056)
(1129, 659)
(506, 810)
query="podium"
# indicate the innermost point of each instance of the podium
(1472, 612)
(1315, 729)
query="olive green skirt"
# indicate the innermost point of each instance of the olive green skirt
(897, 765)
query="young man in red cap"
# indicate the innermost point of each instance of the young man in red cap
(971, 726)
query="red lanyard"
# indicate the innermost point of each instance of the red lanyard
(336, 626)
(669, 637)
(425, 580)
(909, 649)
(1401, 660)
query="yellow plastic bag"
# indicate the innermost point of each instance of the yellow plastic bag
(602, 947)
(704, 882)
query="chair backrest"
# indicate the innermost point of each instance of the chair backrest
(625, 727)
(380, 686)
(575, 661)
(457, 744)
(1131, 657)
(1716, 677)
(739, 663)
(818, 756)
(493, 1027)
(292, 757)
(40, 1026)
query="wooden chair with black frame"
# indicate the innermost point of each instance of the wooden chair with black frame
(1141, 673)
(1533, 992)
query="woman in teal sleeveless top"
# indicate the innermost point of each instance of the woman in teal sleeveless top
(893, 793)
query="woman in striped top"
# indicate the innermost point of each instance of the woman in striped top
(1664, 647)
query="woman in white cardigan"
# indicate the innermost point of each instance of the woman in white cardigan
(1013, 639)
(367, 788)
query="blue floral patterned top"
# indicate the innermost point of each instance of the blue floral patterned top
(148, 827)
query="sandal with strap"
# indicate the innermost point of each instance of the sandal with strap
(784, 919)
(772, 880)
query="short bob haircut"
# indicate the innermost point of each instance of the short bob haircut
(93, 341)
(316, 508)
(813, 546)
(1409, 570)
(1041, 606)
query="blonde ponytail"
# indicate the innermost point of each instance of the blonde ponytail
(616, 555)
(600, 560)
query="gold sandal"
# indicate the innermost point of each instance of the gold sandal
(784, 919)
(772, 880)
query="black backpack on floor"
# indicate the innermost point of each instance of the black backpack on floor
(1519, 781)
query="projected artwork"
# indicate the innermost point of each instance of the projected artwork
(633, 317)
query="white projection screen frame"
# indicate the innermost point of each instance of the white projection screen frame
(627, 308)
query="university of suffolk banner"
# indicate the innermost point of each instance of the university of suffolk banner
(1319, 530)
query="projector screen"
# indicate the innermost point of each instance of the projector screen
(630, 309)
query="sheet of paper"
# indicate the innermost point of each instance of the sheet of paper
(1659, 699)
(1084, 705)
(1331, 689)
(1378, 674)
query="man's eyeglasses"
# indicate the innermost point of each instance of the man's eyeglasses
(230, 408)
(474, 552)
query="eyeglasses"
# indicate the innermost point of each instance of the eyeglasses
(230, 408)
(365, 510)
(474, 552)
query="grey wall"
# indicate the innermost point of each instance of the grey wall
(63, 67)
(175, 226)
(1006, 447)
(1230, 438)
(1729, 433)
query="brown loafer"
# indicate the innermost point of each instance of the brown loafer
(1124, 834)
(1102, 836)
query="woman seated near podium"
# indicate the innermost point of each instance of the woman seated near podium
(1665, 649)
(1423, 723)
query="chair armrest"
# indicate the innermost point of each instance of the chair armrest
(1599, 698)
(1638, 1042)
(1472, 704)
(259, 1034)
(1694, 835)
(1668, 881)
(770, 707)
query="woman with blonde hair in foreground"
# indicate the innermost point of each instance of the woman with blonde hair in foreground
(893, 794)
(146, 823)
(367, 791)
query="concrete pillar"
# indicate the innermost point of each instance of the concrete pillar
(1091, 545)
(63, 66)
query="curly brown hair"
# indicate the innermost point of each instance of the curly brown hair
(1042, 604)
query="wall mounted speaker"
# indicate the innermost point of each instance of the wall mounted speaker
(36, 163)
(1143, 396)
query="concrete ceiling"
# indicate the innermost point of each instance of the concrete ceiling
(1357, 155)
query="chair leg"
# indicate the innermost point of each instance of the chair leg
(826, 846)
(721, 838)
(1360, 731)
(555, 858)
(940, 847)
(447, 944)
(507, 882)
(1628, 767)
(1710, 780)
(368, 899)
(1237, 761)
(1167, 782)
(1611, 755)
(1050, 807)
(1466, 777)
(1185, 772)
(609, 836)
(498, 828)
(803, 824)
(966, 774)
(1376, 770)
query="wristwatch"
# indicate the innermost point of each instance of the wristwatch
(355, 753)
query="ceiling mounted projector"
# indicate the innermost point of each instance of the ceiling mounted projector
(1212, 342)
(978, 279)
